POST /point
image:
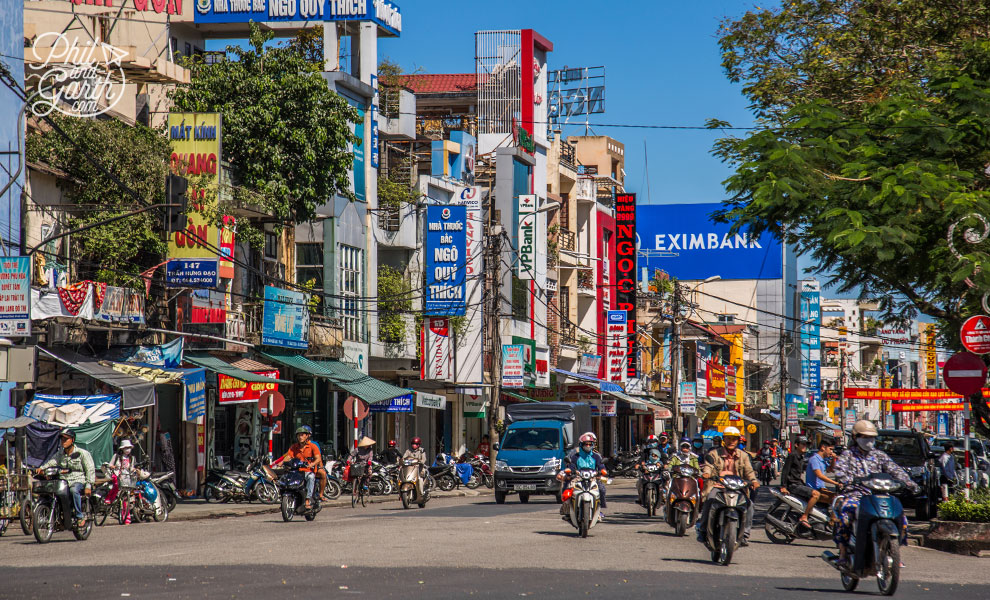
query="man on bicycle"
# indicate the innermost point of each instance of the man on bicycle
(359, 461)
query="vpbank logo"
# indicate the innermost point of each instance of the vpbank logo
(77, 80)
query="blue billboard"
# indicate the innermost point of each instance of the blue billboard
(682, 240)
(384, 13)
(446, 261)
(286, 318)
(192, 273)
(811, 353)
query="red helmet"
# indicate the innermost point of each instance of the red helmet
(417, 442)
(391, 443)
(651, 438)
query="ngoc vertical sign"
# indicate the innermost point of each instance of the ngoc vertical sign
(446, 260)
(625, 271)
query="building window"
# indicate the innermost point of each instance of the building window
(351, 287)
(726, 319)
(271, 245)
(520, 299)
(309, 268)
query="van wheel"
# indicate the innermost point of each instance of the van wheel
(499, 497)
(524, 497)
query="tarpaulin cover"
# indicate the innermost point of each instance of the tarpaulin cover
(42, 443)
(137, 393)
(97, 438)
(561, 411)
(93, 408)
(166, 355)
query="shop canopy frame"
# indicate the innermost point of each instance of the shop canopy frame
(354, 382)
(135, 392)
(604, 387)
(734, 415)
(221, 366)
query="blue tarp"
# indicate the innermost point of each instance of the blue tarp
(86, 401)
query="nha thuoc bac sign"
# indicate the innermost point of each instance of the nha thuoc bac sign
(384, 13)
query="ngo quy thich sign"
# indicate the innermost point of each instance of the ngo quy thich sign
(446, 260)
(384, 13)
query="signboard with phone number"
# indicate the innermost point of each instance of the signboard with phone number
(194, 273)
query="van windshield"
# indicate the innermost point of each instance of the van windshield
(531, 438)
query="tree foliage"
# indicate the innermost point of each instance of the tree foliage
(394, 301)
(874, 138)
(286, 134)
(138, 157)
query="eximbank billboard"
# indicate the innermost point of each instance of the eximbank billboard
(682, 240)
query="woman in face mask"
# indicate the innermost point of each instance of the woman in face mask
(860, 460)
(122, 464)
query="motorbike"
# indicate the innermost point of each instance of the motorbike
(876, 540)
(781, 523)
(582, 499)
(766, 471)
(292, 486)
(257, 483)
(684, 500)
(652, 482)
(482, 472)
(445, 475)
(623, 464)
(335, 480)
(382, 480)
(53, 511)
(408, 490)
(146, 502)
(165, 482)
(726, 519)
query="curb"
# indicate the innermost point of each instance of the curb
(222, 512)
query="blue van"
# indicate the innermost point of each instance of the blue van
(536, 440)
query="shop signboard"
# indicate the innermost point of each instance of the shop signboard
(437, 349)
(625, 271)
(590, 364)
(607, 407)
(384, 13)
(791, 412)
(402, 404)
(542, 367)
(850, 418)
(811, 353)
(701, 369)
(192, 273)
(730, 383)
(120, 305)
(975, 334)
(526, 237)
(470, 367)
(513, 365)
(715, 380)
(235, 391)
(358, 152)
(15, 296)
(931, 353)
(432, 401)
(943, 424)
(195, 394)
(616, 328)
(286, 318)
(474, 406)
(687, 397)
(800, 403)
(446, 261)
(207, 306)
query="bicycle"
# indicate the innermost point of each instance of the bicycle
(358, 489)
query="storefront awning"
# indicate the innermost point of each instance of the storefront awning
(156, 375)
(221, 366)
(605, 387)
(135, 392)
(518, 397)
(820, 424)
(365, 387)
(737, 416)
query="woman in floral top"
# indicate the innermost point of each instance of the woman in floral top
(861, 460)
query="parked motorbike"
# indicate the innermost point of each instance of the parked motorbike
(623, 464)
(146, 501)
(335, 480)
(257, 483)
(684, 500)
(165, 482)
(781, 523)
(652, 481)
(408, 490)
(727, 519)
(766, 471)
(582, 500)
(445, 476)
(876, 540)
(53, 511)
(482, 472)
(292, 487)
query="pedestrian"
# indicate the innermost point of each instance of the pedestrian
(948, 463)
(122, 464)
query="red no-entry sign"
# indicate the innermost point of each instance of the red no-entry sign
(964, 373)
(975, 334)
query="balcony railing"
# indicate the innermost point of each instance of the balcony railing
(389, 218)
(568, 155)
(568, 335)
(586, 280)
(566, 240)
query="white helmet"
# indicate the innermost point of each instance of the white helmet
(731, 432)
(589, 438)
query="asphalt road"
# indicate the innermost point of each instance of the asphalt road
(454, 548)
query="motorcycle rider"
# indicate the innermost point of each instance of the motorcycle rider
(816, 478)
(417, 454)
(860, 460)
(721, 461)
(81, 475)
(698, 446)
(391, 455)
(792, 475)
(650, 455)
(309, 454)
(123, 463)
(664, 444)
(584, 458)
(683, 456)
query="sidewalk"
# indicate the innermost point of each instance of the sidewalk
(196, 509)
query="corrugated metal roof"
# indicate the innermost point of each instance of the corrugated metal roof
(220, 366)
(355, 382)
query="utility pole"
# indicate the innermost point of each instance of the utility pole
(675, 363)
(783, 386)
(843, 403)
(492, 330)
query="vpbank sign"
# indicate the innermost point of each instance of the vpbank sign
(683, 240)
(386, 14)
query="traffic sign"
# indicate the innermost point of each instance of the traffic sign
(964, 373)
(975, 334)
(362, 408)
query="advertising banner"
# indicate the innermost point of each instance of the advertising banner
(542, 367)
(384, 13)
(432, 401)
(474, 406)
(926, 406)
(800, 403)
(616, 327)
(513, 365)
(811, 352)
(192, 273)
(228, 230)
(791, 411)
(120, 305)
(625, 273)
(590, 364)
(194, 383)
(894, 336)
(358, 151)
(607, 407)
(207, 306)
(715, 381)
(15, 296)
(526, 237)
(437, 359)
(899, 394)
(471, 343)
(682, 240)
(286, 318)
(730, 383)
(235, 391)
(701, 369)
(687, 398)
(931, 353)
(402, 404)
(446, 261)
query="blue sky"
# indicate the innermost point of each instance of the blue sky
(662, 68)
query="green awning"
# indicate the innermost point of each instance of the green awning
(215, 364)
(518, 397)
(356, 383)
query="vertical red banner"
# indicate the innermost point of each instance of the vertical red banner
(625, 268)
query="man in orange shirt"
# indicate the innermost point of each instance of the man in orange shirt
(309, 454)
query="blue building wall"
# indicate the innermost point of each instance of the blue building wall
(12, 58)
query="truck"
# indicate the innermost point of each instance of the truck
(533, 446)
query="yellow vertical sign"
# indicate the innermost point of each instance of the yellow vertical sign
(931, 356)
(196, 151)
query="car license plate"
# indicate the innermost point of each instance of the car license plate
(525, 487)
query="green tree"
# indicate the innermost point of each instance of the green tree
(286, 133)
(394, 302)
(138, 157)
(874, 138)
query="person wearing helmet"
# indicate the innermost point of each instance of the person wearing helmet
(664, 444)
(309, 453)
(861, 460)
(698, 446)
(416, 453)
(391, 455)
(582, 458)
(723, 460)
(651, 454)
(683, 456)
(81, 472)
